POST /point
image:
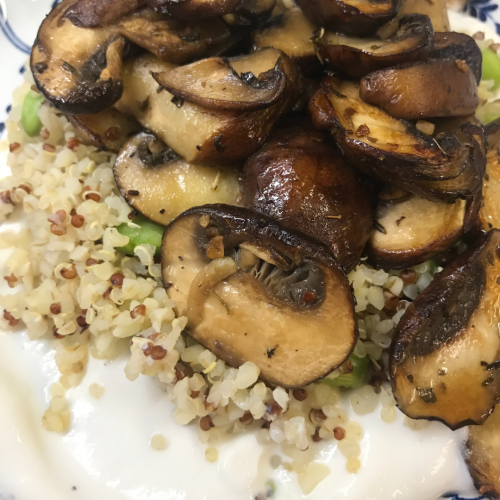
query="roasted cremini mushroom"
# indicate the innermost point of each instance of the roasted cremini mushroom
(483, 456)
(458, 46)
(444, 163)
(82, 76)
(425, 89)
(252, 290)
(99, 13)
(352, 17)
(292, 33)
(160, 185)
(410, 229)
(435, 9)
(252, 12)
(195, 9)
(232, 123)
(446, 349)
(108, 129)
(412, 41)
(300, 179)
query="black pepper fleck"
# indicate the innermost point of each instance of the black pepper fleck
(133, 192)
(162, 211)
(271, 352)
(427, 394)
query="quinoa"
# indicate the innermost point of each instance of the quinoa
(71, 286)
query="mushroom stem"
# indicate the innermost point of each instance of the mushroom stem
(213, 273)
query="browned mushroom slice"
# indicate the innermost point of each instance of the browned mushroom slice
(83, 76)
(250, 289)
(292, 33)
(252, 12)
(198, 134)
(412, 230)
(427, 89)
(214, 84)
(352, 17)
(451, 45)
(195, 9)
(358, 56)
(483, 456)
(300, 179)
(435, 9)
(447, 347)
(173, 40)
(383, 146)
(108, 129)
(98, 13)
(489, 213)
(160, 185)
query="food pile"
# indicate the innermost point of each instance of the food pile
(298, 178)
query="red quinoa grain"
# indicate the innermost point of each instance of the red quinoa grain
(409, 276)
(69, 273)
(55, 308)
(300, 394)
(49, 148)
(139, 310)
(14, 146)
(77, 221)
(339, 433)
(206, 423)
(117, 279)
(158, 353)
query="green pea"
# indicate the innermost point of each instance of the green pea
(148, 234)
(491, 67)
(29, 114)
(351, 380)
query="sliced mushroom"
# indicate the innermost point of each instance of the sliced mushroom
(202, 135)
(451, 45)
(83, 76)
(483, 456)
(252, 12)
(251, 289)
(352, 17)
(214, 84)
(195, 9)
(160, 185)
(446, 348)
(435, 9)
(291, 32)
(98, 13)
(174, 40)
(108, 129)
(426, 89)
(445, 165)
(356, 57)
(300, 179)
(412, 230)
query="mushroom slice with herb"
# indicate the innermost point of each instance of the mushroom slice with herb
(99, 13)
(173, 40)
(212, 135)
(82, 76)
(352, 17)
(436, 10)
(291, 32)
(483, 456)
(108, 129)
(300, 179)
(251, 291)
(385, 147)
(426, 89)
(447, 347)
(195, 9)
(356, 57)
(160, 185)
(411, 230)
(458, 46)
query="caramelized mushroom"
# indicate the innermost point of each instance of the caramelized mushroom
(483, 456)
(82, 76)
(108, 129)
(351, 17)
(250, 289)
(412, 230)
(435, 9)
(426, 89)
(301, 180)
(292, 33)
(447, 346)
(212, 135)
(447, 164)
(356, 57)
(195, 9)
(99, 13)
(160, 185)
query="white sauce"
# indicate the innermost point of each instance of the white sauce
(106, 454)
